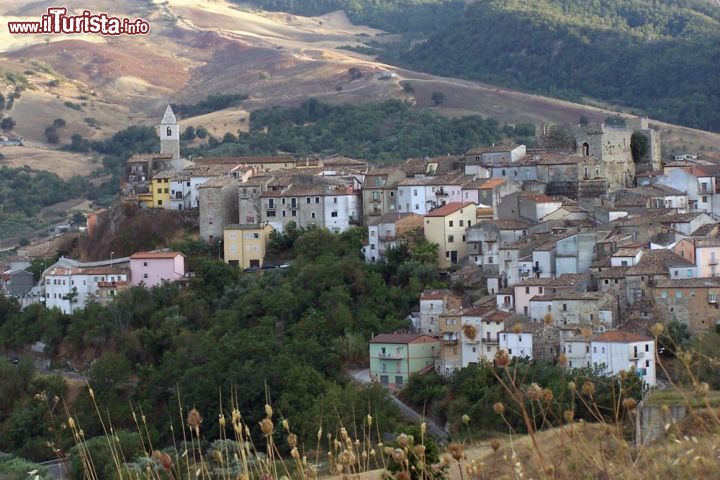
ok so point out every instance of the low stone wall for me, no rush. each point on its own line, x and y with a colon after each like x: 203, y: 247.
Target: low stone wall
x: 651, y: 420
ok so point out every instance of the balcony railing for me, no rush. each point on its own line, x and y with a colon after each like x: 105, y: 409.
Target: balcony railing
x: 387, y: 237
x: 490, y: 341
x: 441, y: 192
x: 713, y: 261
x: 391, y: 356
x: 450, y: 341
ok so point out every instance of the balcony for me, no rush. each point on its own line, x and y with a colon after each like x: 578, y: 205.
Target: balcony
x: 713, y: 261
x: 391, y: 356
x: 712, y: 298
x: 450, y: 341
x: 637, y: 355
x: 386, y: 237
x: 506, y: 305
x: 441, y: 192
x: 490, y: 341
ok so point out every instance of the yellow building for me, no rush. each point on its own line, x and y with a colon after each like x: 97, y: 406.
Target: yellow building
x: 160, y: 190
x: 446, y: 226
x: 245, y: 245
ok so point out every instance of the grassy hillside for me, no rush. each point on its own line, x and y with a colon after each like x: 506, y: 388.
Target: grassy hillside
x: 661, y: 58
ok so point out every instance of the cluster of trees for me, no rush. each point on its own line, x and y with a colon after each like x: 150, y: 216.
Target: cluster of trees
x: 385, y: 131
x: 26, y: 191
x: 212, y: 103
x: 474, y: 390
x: 285, y: 333
x: 633, y: 52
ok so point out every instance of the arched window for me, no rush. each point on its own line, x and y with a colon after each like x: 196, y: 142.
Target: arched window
x: 586, y: 149
x: 169, y: 132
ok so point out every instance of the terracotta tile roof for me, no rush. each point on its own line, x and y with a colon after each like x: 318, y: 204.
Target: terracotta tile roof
x: 498, y: 316
x: 538, y: 197
x: 239, y: 160
x: 657, y: 262
x: 492, y: 183
x: 620, y: 336
x: 712, y: 282
x: 569, y: 279
x: 402, y: 338
x: 568, y: 296
x: 534, y: 282
x: 434, y: 294
x: 151, y: 255
x: 392, y: 218
x: 448, y: 208
x: 611, y: 272
x: 704, y: 230
x: 105, y: 271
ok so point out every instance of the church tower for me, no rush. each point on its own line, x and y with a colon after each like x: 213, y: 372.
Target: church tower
x: 170, y: 134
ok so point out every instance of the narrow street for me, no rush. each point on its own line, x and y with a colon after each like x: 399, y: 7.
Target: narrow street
x: 436, y: 431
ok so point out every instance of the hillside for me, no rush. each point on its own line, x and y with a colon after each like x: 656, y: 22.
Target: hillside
x: 102, y: 85
x: 659, y: 58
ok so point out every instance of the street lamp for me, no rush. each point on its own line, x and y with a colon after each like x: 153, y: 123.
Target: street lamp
x: 111, y: 255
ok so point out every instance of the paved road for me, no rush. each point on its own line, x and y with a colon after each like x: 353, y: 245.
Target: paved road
x: 435, y: 430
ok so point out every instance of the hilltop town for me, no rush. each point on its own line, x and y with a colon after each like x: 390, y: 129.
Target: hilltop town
x: 559, y: 253
x: 565, y: 256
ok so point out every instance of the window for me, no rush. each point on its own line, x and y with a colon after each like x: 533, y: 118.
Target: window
x: 256, y: 235
x: 317, y: 199
x: 159, y: 190
x: 293, y: 213
x: 144, y: 265
x: 527, y: 290
x: 312, y: 215
x: 270, y: 213
x: 564, y: 307
x: 689, y: 272
x: 451, y: 238
x: 678, y: 294
x: 647, y: 363
x: 415, y: 192
x: 145, y: 275
x: 594, y: 349
x: 450, y: 223
x: 307, y: 200
x: 647, y: 347
x: 334, y: 214
x: 663, y: 294
x: 334, y: 199
x: 461, y: 222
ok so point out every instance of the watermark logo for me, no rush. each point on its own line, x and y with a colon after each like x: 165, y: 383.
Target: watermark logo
x: 57, y: 21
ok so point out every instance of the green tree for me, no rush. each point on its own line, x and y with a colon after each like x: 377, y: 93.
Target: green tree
x: 438, y: 98
x: 639, y: 146
x: 7, y: 123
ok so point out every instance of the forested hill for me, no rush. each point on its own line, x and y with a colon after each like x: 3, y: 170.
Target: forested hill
x: 659, y: 57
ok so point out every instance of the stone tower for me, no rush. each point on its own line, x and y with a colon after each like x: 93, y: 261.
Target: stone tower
x: 170, y: 134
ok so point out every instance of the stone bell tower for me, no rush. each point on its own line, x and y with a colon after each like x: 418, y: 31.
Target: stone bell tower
x: 170, y: 134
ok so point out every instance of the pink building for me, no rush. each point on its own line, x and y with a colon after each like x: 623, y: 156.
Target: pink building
x: 152, y: 268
